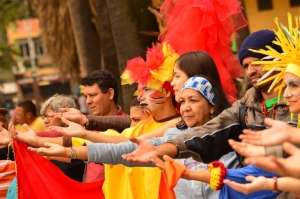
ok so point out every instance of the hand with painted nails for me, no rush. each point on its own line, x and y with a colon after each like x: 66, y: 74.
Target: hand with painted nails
x: 247, y: 150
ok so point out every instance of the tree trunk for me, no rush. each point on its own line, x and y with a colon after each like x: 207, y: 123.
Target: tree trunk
x: 119, y: 43
x: 244, y: 32
x: 86, y: 36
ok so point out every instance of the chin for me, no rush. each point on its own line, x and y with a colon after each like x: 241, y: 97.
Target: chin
x: 295, y: 110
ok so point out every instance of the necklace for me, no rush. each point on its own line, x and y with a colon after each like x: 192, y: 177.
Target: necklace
x: 264, y: 110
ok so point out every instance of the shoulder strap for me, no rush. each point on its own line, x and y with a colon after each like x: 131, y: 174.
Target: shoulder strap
x: 242, y: 115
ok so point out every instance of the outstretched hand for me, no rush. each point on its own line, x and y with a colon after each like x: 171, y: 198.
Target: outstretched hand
x: 256, y: 184
x: 72, y: 114
x: 49, y: 150
x: 246, y: 149
x: 28, y: 137
x: 142, y: 154
x: 282, y: 166
x: 73, y: 129
x: 278, y: 133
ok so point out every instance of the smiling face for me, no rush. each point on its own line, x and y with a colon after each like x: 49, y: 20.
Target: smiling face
x: 179, y: 79
x: 292, y: 92
x: 255, y: 72
x: 195, y: 109
x: 151, y: 100
x: 49, y: 120
x: 99, y: 103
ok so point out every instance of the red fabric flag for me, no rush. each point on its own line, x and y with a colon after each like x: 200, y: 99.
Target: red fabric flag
x: 169, y: 178
x: 38, y: 178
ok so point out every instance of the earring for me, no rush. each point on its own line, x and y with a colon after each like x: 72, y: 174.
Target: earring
x: 211, y: 116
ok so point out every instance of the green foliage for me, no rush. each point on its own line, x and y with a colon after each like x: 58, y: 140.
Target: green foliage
x: 10, y: 11
x: 145, y: 20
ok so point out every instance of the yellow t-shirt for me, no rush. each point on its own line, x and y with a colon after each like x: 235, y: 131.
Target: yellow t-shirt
x: 133, y: 182
x: 130, y: 182
x: 37, y: 125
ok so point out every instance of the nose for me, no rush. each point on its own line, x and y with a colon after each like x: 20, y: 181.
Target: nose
x: 286, y: 93
x: 173, y: 82
x: 185, y: 106
x: 251, y: 70
x: 88, y: 100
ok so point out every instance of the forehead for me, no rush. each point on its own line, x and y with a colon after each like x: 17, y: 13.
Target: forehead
x: 291, y: 77
x: 177, y: 68
x: 190, y: 92
x: 248, y: 60
x: 48, y: 110
x: 91, y: 89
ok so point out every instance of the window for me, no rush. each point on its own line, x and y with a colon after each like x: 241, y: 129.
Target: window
x: 265, y: 4
x: 295, y: 3
x: 25, y: 51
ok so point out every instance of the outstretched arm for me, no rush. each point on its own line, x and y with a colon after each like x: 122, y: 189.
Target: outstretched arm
x: 99, y: 123
x: 31, y: 138
x: 282, y: 166
x: 263, y: 183
x: 76, y: 130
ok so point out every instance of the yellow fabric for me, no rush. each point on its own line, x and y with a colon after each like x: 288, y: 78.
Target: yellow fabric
x: 133, y: 183
x: 294, y: 69
x: 37, y: 125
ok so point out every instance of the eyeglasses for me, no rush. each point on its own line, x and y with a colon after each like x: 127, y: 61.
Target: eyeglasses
x: 49, y: 117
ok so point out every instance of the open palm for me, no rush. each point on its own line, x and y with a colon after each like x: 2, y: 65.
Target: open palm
x: 50, y: 149
x: 246, y: 149
x: 282, y: 166
x: 73, y: 129
x: 257, y: 184
x: 142, y: 154
x: 275, y: 135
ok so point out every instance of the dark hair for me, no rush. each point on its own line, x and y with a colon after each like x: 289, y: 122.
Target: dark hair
x: 198, y: 63
x: 134, y: 102
x: 104, y: 79
x: 28, y: 106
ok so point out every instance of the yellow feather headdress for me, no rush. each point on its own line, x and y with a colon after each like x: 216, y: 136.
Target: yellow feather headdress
x: 288, y: 61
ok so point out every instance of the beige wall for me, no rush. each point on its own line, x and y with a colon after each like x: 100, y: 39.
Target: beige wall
x: 265, y: 19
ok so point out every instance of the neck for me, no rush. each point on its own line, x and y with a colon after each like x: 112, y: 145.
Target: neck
x: 112, y: 110
x: 29, y: 121
x: 165, y: 111
x: 267, y: 96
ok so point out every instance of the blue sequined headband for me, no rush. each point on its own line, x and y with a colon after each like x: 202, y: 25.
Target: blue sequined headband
x: 201, y: 85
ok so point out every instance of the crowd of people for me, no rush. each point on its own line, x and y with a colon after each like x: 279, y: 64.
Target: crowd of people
x: 186, y: 135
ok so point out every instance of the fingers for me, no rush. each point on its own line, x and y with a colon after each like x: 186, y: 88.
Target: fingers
x: 237, y: 146
x: 64, y: 120
x: 269, y: 122
x: 64, y: 110
x: 48, y: 144
x: 167, y: 158
x: 250, y: 178
x: 158, y: 162
x: 289, y: 148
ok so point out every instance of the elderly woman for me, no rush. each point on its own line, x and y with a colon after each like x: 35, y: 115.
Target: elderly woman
x: 51, y: 106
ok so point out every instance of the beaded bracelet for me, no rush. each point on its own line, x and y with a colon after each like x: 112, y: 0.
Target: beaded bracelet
x: 218, y: 173
x: 73, y: 154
